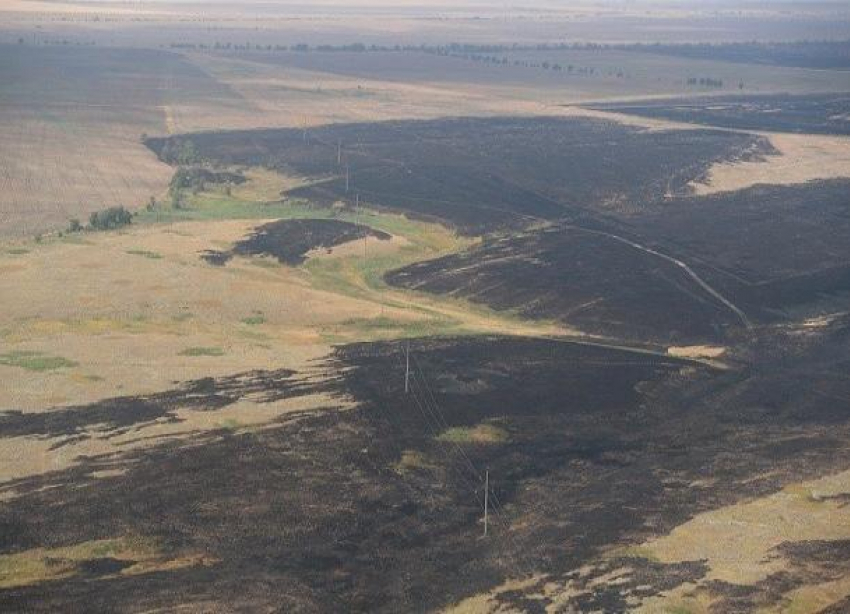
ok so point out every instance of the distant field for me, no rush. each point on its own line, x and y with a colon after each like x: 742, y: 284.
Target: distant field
x: 162, y: 22
x: 531, y: 74
x: 72, y: 117
x: 816, y: 114
x: 71, y: 123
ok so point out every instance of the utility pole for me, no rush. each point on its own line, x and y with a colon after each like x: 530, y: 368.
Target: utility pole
x: 359, y: 214
x: 486, y: 498
x: 339, y: 152
x: 407, y: 368
x: 347, y: 178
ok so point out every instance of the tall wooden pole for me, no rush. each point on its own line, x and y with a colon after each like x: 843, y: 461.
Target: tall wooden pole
x: 407, y: 368
x: 486, y: 499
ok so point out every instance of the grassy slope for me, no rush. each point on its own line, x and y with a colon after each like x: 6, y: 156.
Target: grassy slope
x: 359, y: 277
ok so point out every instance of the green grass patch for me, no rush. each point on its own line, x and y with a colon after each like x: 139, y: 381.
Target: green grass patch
x: 375, y: 329
x: 483, y: 433
x: 231, y: 424
x: 254, y: 320
x: 217, y: 206
x: 202, y: 351
x: 144, y: 253
x: 34, y: 361
x: 253, y: 335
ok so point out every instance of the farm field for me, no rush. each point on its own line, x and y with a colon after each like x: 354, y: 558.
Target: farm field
x: 65, y: 108
x: 70, y: 143
x: 155, y: 23
x: 621, y: 348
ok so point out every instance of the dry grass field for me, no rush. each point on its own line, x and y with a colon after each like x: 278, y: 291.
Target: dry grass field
x: 96, y: 315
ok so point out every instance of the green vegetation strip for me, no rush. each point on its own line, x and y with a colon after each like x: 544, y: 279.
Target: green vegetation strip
x: 144, y: 253
x: 202, y: 351
x: 34, y: 361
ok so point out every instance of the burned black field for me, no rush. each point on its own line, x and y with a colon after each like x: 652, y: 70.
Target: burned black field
x: 813, y: 114
x: 580, y: 224
x: 773, y: 253
x: 370, y: 508
x: 289, y: 241
x: 480, y: 174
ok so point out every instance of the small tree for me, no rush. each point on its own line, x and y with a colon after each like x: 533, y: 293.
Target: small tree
x: 108, y: 219
x: 74, y: 225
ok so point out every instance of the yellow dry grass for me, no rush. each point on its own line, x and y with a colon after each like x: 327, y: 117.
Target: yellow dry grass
x: 125, y: 319
x: 100, y: 315
x: 696, y: 351
x: 45, y: 564
x: 737, y: 542
x: 802, y: 158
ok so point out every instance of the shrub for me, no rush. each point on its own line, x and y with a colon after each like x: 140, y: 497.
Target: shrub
x: 111, y: 218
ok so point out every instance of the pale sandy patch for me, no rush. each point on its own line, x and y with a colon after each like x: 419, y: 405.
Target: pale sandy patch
x: 801, y: 158
x: 363, y: 248
x: 696, y: 351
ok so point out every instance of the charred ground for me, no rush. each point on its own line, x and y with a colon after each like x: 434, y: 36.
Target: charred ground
x: 289, y: 241
x: 481, y: 174
x: 369, y: 509
x: 569, y: 195
x: 777, y: 253
x: 814, y: 113
x: 590, y: 448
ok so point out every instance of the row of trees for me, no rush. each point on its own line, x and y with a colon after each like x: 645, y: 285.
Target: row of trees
x: 709, y: 82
